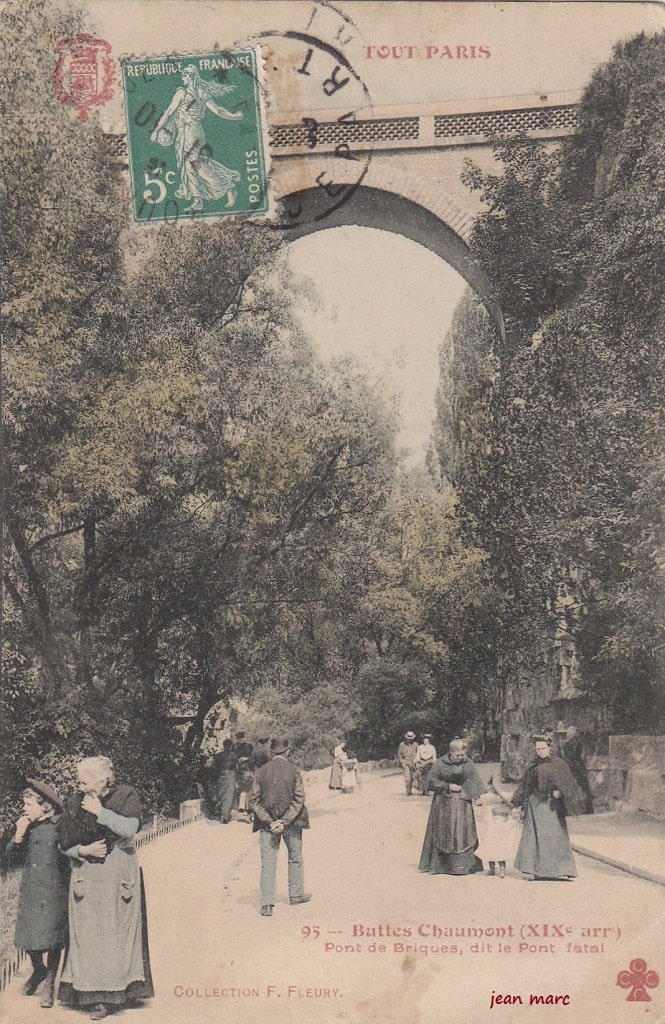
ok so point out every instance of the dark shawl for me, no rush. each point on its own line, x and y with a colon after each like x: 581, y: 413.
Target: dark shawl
x: 465, y: 775
x: 78, y: 827
x: 545, y: 775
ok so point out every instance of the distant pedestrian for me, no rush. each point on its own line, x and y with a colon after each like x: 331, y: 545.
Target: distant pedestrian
x: 407, y: 753
x: 547, y: 793
x: 349, y: 774
x: 573, y: 753
x: 451, y: 838
x: 277, y: 801
x: 244, y: 752
x: 425, y: 758
x: 224, y: 770
x: 206, y: 784
x: 41, y: 923
x: 339, y: 757
x: 261, y: 752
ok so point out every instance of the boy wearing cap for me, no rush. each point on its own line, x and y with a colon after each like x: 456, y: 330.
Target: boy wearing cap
x: 41, y: 924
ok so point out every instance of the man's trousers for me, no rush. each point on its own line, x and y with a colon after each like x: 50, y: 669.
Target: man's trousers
x: 269, y: 851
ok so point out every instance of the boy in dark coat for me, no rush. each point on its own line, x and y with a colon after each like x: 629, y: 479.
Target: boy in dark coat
x: 41, y: 924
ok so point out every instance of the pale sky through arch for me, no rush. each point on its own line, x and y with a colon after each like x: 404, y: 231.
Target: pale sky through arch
x: 389, y: 302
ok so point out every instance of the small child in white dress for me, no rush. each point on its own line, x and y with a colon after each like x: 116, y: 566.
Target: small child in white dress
x: 349, y: 774
x: 499, y: 833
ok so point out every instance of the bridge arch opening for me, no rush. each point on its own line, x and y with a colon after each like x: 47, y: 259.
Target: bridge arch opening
x: 371, y: 207
x: 394, y: 334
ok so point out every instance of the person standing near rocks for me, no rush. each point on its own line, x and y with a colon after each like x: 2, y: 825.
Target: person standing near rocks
x: 277, y: 801
x: 224, y: 770
x: 546, y: 794
x: 407, y: 752
x: 244, y: 752
x: 573, y: 754
x: 261, y: 752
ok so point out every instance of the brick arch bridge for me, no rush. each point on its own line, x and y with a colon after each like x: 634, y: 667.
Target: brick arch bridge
x: 388, y: 209
x: 400, y: 169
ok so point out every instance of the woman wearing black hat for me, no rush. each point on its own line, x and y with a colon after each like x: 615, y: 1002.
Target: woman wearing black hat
x: 546, y: 794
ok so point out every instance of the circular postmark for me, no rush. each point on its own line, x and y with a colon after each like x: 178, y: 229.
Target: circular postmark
x: 319, y: 118
x: 280, y: 115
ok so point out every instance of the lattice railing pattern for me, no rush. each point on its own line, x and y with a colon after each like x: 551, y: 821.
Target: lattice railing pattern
x: 481, y: 125
x: 498, y: 122
x: 330, y: 133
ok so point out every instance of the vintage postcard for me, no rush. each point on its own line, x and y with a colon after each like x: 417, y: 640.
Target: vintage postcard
x: 333, y: 676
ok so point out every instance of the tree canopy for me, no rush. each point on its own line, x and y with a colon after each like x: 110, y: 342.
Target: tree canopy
x: 559, y: 429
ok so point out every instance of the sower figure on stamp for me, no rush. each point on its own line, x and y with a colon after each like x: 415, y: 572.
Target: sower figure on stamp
x: 277, y: 800
x: 201, y: 177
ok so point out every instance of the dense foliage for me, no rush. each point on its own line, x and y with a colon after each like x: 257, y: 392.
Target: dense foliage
x: 196, y: 508
x: 559, y: 429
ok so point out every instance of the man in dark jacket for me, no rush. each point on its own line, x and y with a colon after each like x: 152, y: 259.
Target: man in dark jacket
x: 573, y: 753
x: 277, y: 800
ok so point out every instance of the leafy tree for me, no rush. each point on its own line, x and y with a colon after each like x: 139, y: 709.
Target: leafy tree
x: 559, y: 429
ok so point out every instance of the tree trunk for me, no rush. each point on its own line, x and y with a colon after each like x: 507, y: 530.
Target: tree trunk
x: 39, y: 612
x: 88, y: 599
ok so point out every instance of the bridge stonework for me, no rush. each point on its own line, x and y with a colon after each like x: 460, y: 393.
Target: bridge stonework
x: 415, y: 154
x: 401, y: 169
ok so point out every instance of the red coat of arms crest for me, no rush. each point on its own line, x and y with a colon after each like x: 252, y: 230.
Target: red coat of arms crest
x: 84, y: 73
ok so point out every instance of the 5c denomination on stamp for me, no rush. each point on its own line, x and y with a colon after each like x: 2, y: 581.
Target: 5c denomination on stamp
x: 196, y: 135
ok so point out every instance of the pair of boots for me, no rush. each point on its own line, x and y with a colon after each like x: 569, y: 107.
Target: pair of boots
x: 502, y: 868
x: 41, y: 973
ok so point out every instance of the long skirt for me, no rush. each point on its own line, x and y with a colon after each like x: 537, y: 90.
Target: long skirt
x: 226, y: 791
x: 201, y: 177
x: 544, y: 849
x: 335, y: 775
x: 108, y: 960
x: 422, y: 776
x: 451, y: 838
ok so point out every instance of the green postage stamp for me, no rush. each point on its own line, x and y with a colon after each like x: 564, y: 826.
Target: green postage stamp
x: 196, y: 135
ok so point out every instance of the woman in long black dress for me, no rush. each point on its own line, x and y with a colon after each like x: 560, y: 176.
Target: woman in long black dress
x: 225, y: 768
x: 546, y: 794
x: 451, y: 838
